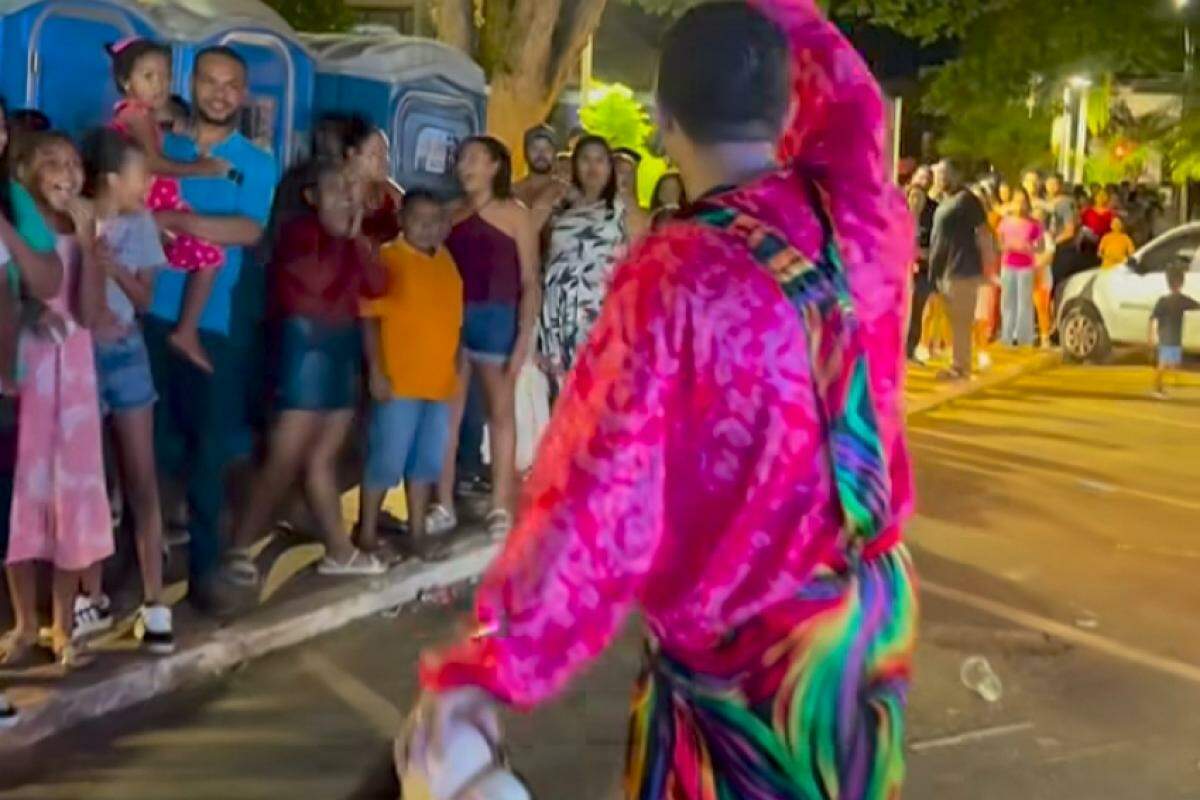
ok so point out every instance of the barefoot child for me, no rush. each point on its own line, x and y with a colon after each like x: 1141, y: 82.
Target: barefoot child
x: 117, y: 178
x: 1166, y: 328
x: 321, y: 270
x: 412, y: 339
x: 142, y: 71
x: 60, y: 511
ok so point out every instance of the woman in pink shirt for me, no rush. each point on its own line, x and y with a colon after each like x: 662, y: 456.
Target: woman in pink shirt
x: 1020, y: 242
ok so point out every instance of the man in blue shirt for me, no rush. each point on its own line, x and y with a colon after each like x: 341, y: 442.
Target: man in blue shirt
x: 199, y: 412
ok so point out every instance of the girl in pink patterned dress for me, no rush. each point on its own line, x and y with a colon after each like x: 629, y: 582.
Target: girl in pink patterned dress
x: 60, y: 510
x: 142, y: 71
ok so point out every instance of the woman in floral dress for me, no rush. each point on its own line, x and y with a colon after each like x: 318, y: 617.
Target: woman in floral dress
x: 587, y: 237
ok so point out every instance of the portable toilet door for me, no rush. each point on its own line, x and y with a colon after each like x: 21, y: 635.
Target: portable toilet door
x: 279, y: 68
x: 427, y: 129
x: 69, y: 73
x: 270, y: 116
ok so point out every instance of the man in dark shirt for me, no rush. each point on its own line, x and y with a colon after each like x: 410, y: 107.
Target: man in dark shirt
x: 923, y: 208
x: 960, y: 247
x: 1166, y: 327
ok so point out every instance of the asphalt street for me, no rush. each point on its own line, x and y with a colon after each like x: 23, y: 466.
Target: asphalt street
x: 1058, y: 537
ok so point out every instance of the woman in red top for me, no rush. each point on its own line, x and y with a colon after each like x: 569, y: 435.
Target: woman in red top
x: 321, y: 270
x: 1098, y: 218
x: 365, y: 148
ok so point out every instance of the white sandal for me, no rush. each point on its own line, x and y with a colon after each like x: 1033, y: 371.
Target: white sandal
x: 498, y: 523
x: 359, y: 563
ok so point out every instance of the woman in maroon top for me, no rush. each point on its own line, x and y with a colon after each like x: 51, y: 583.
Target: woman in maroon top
x: 322, y: 268
x: 495, y: 245
x: 366, y: 150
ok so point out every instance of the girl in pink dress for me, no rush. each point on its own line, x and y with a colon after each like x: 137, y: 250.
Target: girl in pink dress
x: 60, y: 510
x: 142, y: 71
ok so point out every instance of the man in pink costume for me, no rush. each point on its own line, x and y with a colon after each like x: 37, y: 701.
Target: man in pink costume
x: 728, y: 454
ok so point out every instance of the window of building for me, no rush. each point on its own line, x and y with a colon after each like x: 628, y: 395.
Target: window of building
x: 403, y: 19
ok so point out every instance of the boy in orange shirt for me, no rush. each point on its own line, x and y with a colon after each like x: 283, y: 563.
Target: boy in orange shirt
x: 411, y: 336
x: 1116, y: 247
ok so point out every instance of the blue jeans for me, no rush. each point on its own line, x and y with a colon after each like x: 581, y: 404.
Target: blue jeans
x: 1016, y: 306
x: 195, y: 424
x: 406, y: 438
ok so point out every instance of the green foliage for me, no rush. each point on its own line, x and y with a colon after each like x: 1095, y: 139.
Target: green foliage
x: 1182, y: 143
x: 614, y: 112
x: 1005, y: 136
x: 1015, y: 49
x: 315, y: 16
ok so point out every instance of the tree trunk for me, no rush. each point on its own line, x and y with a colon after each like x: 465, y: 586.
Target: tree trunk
x: 514, y: 106
x: 528, y: 64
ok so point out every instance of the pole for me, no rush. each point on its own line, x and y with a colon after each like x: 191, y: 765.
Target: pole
x: 585, y: 71
x: 896, y: 133
x: 1064, y: 145
x: 1081, y: 136
x: 1185, y: 104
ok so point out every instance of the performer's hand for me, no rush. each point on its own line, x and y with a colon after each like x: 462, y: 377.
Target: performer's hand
x: 423, y: 738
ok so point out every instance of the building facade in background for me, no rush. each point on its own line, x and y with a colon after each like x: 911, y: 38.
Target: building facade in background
x: 409, y: 17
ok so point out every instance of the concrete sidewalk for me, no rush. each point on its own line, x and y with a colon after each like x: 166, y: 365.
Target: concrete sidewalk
x: 309, y: 606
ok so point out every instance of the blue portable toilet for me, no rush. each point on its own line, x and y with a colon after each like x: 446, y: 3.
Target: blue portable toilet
x: 426, y: 95
x: 281, y: 68
x: 52, y: 57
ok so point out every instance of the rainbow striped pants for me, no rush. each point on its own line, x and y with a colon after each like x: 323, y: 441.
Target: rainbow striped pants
x: 804, y: 702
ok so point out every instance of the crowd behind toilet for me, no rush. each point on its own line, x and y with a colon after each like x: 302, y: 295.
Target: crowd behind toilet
x: 991, y: 253
x: 175, y: 307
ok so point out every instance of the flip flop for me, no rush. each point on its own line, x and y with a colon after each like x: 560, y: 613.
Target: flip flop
x: 240, y: 569
x: 359, y: 563
x: 17, y: 654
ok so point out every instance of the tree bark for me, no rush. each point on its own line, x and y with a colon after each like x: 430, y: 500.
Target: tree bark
x: 455, y: 23
x: 528, y: 65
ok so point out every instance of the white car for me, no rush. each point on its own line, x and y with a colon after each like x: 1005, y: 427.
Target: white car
x: 1102, y: 307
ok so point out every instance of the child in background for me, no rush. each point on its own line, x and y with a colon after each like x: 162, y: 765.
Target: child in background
x: 142, y: 71
x: 1043, y: 278
x: 1116, y: 247
x: 60, y: 510
x: 322, y: 267
x: 412, y: 346
x: 1166, y: 328
x: 117, y: 179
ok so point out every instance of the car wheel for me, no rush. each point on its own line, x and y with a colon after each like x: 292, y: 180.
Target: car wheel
x: 1083, y: 335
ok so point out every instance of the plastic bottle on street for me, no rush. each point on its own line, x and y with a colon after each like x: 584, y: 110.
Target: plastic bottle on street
x: 978, y: 676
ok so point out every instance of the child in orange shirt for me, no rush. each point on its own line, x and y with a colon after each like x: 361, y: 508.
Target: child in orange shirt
x: 1116, y: 247
x: 412, y: 344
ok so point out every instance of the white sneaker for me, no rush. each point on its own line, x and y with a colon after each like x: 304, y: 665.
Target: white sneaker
x: 91, y: 616
x: 153, y: 628
x: 440, y: 520
x: 984, y: 361
x: 921, y: 354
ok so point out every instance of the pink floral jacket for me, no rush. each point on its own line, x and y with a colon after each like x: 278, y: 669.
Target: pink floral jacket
x: 684, y: 472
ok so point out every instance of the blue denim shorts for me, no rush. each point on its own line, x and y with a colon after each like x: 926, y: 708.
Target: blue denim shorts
x: 1170, y: 356
x: 406, y: 439
x: 489, y: 332
x: 320, y: 365
x: 123, y: 378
